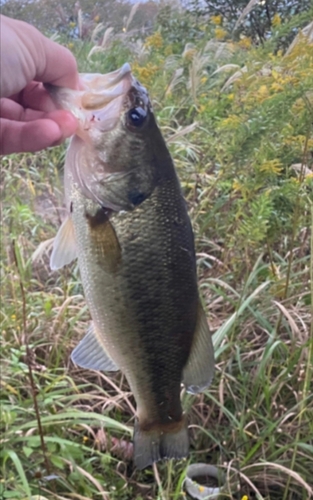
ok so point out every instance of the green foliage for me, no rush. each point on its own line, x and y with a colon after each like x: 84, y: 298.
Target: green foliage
x: 177, y: 27
x: 238, y: 120
x: 254, y: 110
x: 79, y: 19
x: 255, y: 19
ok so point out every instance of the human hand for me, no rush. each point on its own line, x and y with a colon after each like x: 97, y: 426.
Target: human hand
x: 29, y: 120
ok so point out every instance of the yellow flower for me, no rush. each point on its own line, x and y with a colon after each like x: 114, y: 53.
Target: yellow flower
x: 263, y: 90
x: 70, y: 45
x: 277, y: 87
x: 154, y: 40
x: 294, y: 180
x: 168, y: 50
x: 245, y: 497
x: 237, y: 186
x: 271, y: 167
x: 11, y: 389
x: 276, y: 21
x: 220, y: 33
x: 72, y: 24
x: 204, y: 79
x: 13, y: 316
x: 231, y: 122
x: 276, y: 75
x: 262, y: 93
x: 298, y: 141
x: 298, y: 106
x: 96, y: 18
x: 231, y: 97
x: 217, y: 20
x: 245, y: 43
x: 146, y: 74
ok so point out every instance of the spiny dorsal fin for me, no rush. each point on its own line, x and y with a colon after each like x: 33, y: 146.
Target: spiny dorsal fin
x: 90, y: 353
x: 199, y: 370
x: 64, y: 246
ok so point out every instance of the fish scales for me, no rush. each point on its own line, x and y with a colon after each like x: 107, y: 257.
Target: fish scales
x: 138, y: 304
x: 131, y: 232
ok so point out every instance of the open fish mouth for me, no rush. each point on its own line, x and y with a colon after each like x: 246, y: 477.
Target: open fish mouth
x: 101, y: 100
x: 113, y: 111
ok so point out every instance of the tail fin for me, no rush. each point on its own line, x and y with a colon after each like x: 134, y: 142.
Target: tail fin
x: 165, y: 441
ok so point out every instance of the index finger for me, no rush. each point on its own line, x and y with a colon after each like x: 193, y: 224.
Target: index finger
x: 28, y: 55
x: 56, y: 65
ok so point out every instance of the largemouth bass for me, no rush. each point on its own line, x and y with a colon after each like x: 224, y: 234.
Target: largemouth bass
x: 129, y: 227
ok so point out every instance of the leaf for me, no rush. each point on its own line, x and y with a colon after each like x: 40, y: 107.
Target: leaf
x: 284, y: 469
x: 236, y: 76
x: 19, y: 467
x: 12, y: 494
x: 57, y: 461
x: 223, y: 331
x: 76, y: 417
x: 181, y: 132
x: 226, y: 67
x: 27, y: 451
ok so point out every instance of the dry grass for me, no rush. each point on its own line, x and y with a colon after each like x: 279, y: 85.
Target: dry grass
x: 255, y: 422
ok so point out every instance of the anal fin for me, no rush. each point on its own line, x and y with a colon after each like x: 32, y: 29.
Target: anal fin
x: 199, y: 370
x: 90, y: 353
x: 64, y: 246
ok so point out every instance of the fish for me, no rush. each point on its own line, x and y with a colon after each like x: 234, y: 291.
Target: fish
x: 129, y: 228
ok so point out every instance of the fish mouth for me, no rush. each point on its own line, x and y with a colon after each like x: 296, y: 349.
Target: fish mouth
x: 102, y: 99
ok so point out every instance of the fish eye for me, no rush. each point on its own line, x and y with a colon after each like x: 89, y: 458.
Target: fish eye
x: 137, y: 116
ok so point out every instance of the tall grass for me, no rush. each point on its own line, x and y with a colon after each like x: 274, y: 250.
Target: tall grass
x: 238, y: 119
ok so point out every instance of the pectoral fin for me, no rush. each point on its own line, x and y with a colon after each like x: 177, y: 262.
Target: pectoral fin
x: 199, y: 370
x: 103, y: 238
x: 90, y: 354
x: 64, y: 246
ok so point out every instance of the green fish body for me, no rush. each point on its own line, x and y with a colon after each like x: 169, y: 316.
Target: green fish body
x: 138, y: 269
